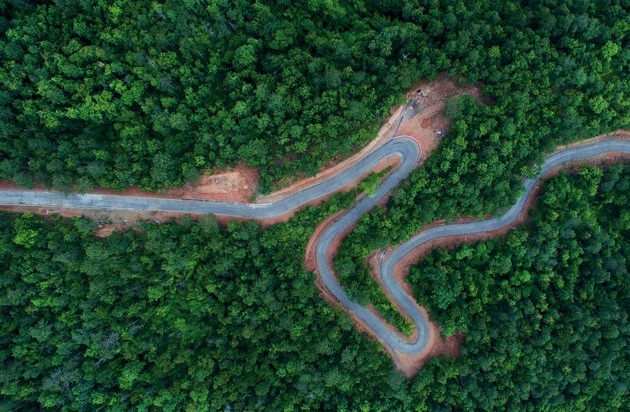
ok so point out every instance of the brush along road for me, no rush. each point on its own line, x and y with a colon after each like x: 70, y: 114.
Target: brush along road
x: 404, y: 148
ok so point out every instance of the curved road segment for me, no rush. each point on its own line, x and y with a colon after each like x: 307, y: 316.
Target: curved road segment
x: 402, y: 147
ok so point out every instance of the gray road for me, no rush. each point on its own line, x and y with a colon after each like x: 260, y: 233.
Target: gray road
x: 404, y: 148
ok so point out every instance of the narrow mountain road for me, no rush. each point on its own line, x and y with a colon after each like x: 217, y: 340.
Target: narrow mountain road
x: 402, y: 147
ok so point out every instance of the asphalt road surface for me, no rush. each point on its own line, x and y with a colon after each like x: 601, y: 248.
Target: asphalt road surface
x: 409, y: 153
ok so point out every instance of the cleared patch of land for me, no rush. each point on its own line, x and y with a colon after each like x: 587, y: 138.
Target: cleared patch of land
x: 415, y: 120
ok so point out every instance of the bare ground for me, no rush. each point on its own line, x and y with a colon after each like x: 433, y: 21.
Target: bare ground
x: 239, y: 184
x: 333, y: 168
x: 450, y: 346
x: 233, y: 185
x: 422, y: 120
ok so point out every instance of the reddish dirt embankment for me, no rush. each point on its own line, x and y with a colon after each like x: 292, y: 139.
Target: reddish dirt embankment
x: 421, y: 119
x: 231, y: 185
x: 239, y: 184
x: 450, y: 346
x: 236, y: 185
x: 424, y: 119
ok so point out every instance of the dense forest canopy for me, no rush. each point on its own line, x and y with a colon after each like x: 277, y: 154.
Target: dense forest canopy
x: 198, y: 316
x: 195, y: 316
x: 151, y: 93
x: 556, y: 73
x: 544, y: 309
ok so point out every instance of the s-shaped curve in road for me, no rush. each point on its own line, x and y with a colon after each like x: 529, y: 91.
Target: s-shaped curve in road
x: 402, y: 147
x: 389, y: 338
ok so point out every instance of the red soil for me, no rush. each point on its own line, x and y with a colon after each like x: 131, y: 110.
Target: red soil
x: 384, y: 133
x: 422, y: 120
x: 423, y: 109
x: 231, y: 185
x: 234, y: 185
x: 410, y: 364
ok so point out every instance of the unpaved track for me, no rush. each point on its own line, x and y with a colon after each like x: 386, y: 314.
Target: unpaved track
x: 409, y: 153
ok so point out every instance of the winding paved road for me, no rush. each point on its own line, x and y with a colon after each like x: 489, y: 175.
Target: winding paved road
x: 402, y: 147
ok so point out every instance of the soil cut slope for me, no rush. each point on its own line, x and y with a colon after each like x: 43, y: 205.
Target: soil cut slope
x: 404, y: 148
